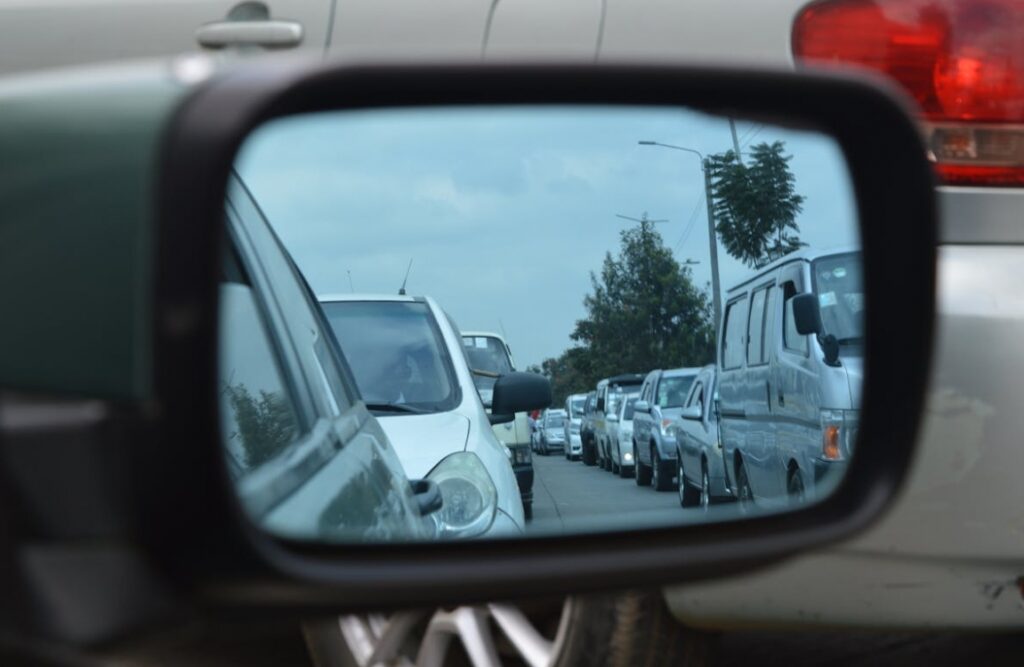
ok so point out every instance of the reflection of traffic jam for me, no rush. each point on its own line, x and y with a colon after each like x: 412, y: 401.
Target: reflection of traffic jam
x: 769, y: 423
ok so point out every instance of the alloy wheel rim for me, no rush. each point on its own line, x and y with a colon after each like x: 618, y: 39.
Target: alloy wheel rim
x: 486, y: 634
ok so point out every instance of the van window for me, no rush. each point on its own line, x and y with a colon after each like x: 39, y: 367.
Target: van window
x: 791, y: 339
x: 755, y: 328
x: 732, y: 341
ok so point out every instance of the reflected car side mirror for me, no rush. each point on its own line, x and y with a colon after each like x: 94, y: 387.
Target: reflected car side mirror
x: 692, y: 412
x: 520, y: 392
x: 613, y: 418
x: 642, y: 406
x: 807, y: 314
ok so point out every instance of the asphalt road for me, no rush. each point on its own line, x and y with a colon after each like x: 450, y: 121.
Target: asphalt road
x: 569, y: 496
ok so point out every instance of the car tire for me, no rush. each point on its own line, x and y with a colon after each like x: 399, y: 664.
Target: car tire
x: 706, y: 499
x: 587, y: 454
x: 622, y: 630
x: 744, y: 494
x: 641, y: 473
x: 661, y: 479
x: 795, y: 488
x: 688, y: 495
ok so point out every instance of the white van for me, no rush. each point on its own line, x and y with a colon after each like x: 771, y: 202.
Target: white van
x: 790, y: 361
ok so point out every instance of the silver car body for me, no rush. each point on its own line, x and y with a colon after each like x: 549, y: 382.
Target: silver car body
x: 777, y: 395
x: 573, y: 443
x: 552, y: 434
x: 698, y: 445
x: 622, y: 433
x: 517, y: 432
x: 651, y: 427
x: 423, y: 440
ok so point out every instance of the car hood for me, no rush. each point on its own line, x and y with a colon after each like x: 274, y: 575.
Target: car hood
x: 421, y: 441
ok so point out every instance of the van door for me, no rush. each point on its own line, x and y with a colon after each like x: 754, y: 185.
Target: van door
x: 731, y: 356
x: 760, y: 434
x: 797, y: 394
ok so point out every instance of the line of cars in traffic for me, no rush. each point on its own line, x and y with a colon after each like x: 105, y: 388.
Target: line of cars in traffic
x: 772, y: 421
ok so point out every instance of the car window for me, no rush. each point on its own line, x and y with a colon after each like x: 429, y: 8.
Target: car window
x: 755, y: 328
x: 258, y: 416
x: 672, y: 390
x: 735, y: 325
x: 296, y: 310
x: 486, y: 353
x: 791, y: 338
x: 840, y: 290
x: 396, y: 353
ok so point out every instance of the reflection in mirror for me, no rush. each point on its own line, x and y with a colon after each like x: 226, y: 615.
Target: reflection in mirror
x: 382, y: 266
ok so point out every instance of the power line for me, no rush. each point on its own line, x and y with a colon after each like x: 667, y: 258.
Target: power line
x: 689, y: 225
x: 753, y: 135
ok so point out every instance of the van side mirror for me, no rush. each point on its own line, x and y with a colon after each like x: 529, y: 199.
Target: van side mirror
x: 806, y: 314
x: 520, y: 392
x: 642, y: 406
x: 613, y: 417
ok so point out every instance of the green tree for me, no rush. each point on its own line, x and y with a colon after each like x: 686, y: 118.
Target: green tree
x: 756, y: 204
x: 265, y: 423
x: 644, y: 312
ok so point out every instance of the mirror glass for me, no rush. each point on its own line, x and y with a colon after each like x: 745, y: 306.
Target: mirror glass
x: 489, y: 322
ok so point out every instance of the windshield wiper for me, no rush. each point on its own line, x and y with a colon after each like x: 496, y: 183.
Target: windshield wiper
x: 395, y: 407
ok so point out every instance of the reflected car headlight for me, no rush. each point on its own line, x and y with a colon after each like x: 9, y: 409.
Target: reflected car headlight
x: 469, y: 495
x: 666, y: 428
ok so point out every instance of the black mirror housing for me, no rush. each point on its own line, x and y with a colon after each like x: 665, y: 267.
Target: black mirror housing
x: 807, y: 314
x: 520, y: 392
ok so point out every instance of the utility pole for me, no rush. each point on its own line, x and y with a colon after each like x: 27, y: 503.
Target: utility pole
x: 735, y: 140
x: 712, y: 234
x: 644, y: 222
x: 716, y: 292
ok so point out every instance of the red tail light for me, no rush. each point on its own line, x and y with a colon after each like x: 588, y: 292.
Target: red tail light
x: 962, y: 60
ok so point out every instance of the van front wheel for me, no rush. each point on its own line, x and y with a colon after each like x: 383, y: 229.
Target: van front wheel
x: 641, y: 473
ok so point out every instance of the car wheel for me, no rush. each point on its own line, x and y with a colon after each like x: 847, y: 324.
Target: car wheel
x: 795, y: 487
x: 587, y: 453
x: 605, y: 631
x: 744, y: 494
x: 661, y: 479
x: 641, y: 473
x: 705, y: 488
x: 688, y: 496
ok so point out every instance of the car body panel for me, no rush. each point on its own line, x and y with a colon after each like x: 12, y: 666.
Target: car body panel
x: 647, y: 430
x: 54, y: 33
x: 697, y: 440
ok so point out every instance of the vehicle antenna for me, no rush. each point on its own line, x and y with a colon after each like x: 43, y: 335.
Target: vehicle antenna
x: 401, y: 290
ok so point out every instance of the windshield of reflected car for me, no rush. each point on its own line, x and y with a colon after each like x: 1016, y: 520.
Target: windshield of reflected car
x: 672, y: 391
x: 840, y: 290
x: 396, y: 353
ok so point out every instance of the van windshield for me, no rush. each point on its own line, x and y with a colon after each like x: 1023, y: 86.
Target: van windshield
x: 488, y: 354
x: 840, y: 290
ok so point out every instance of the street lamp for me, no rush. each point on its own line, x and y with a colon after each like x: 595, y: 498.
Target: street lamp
x: 712, y: 240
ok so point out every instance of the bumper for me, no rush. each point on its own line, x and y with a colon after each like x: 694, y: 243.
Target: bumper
x: 828, y: 473
x: 575, y: 445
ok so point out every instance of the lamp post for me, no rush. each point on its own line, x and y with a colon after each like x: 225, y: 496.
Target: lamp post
x: 712, y: 239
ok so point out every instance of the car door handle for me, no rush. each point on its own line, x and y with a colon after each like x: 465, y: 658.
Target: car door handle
x: 271, y: 34
x: 428, y: 496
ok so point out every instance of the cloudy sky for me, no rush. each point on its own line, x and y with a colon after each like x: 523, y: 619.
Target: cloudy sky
x: 506, y: 211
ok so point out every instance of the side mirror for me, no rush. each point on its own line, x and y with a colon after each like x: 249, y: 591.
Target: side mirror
x: 520, y: 392
x: 692, y: 412
x: 613, y: 417
x: 806, y: 314
x: 642, y: 406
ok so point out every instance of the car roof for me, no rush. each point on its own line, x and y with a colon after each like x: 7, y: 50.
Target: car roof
x: 801, y: 255
x: 334, y: 298
x: 677, y: 372
x: 483, y: 334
